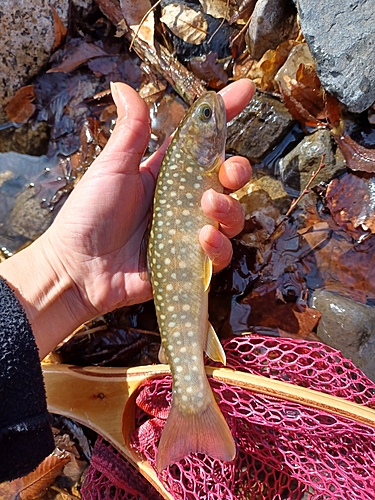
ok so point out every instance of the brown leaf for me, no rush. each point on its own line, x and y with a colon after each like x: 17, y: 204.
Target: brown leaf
x: 206, y: 68
x: 134, y: 13
x: 77, y: 56
x: 184, y: 22
x: 34, y: 483
x: 20, y: 107
x: 357, y: 157
x: 298, y: 112
x: 60, y: 29
x: 267, y: 310
x: 351, y: 202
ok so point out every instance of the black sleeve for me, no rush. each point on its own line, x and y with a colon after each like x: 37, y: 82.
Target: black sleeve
x: 25, y: 433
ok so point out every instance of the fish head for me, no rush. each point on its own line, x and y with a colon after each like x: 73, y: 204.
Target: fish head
x: 203, y: 131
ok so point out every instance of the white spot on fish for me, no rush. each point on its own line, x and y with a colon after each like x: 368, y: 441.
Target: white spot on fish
x: 189, y: 196
x: 167, y: 261
x: 188, y: 324
x: 186, y: 212
x: 190, y: 333
x: 186, y: 307
x: 196, y: 185
x: 179, y: 369
x: 183, y: 349
x: 175, y: 298
x: 184, y: 398
x: 171, y: 324
x: 160, y: 222
x: 161, y: 246
x: 169, y: 213
x: 169, y: 287
x: 173, y: 275
x: 182, y: 264
x: 177, y: 360
x: 172, y: 232
x: 170, y: 182
x: 176, y: 334
x: 173, y: 194
x: 189, y: 169
x: 170, y: 309
x: 187, y: 378
x: 189, y: 389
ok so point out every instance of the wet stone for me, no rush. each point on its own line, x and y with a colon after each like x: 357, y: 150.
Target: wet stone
x: 259, y: 128
x: 341, y: 39
x: 347, y: 326
x: 271, y: 23
x: 27, y: 40
x: 297, y: 166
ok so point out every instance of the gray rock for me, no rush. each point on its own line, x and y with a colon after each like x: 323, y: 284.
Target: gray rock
x: 341, y: 37
x: 271, y: 23
x: 349, y: 327
x: 27, y: 39
x: 297, y: 166
x: 259, y: 128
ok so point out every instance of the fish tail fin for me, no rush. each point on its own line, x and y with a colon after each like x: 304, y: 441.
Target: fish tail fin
x: 205, y: 431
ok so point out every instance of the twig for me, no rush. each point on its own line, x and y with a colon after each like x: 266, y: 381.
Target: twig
x: 306, y: 190
x: 141, y: 23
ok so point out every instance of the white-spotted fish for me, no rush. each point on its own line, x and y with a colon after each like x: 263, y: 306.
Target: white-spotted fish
x: 180, y: 277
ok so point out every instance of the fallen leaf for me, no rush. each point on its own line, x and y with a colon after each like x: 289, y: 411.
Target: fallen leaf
x: 221, y: 9
x: 271, y: 62
x: 243, y: 11
x: 351, y: 200
x: 20, y: 108
x: 60, y: 29
x: 207, y: 68
x: 80, y: 54
x: 43, y: 476
x: 184, y: 22
x: 357, y: 157
x: 268, y: 310
x: 134, y: 13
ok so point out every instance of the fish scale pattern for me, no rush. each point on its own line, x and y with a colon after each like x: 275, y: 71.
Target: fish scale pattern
x: 285, y: 450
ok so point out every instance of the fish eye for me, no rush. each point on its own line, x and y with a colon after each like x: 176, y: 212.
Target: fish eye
x: 205, y: 112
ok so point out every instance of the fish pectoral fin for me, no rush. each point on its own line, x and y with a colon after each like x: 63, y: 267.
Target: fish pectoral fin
x: 207, y: 273
x: 214, y: 349
x: 204, y: 431
x: 162, y: 357
x: 143, y: 267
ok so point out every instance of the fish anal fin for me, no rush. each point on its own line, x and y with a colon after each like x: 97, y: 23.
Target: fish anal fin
x: 207, y: 273
x: 214, y: 349
x: 204, y: 432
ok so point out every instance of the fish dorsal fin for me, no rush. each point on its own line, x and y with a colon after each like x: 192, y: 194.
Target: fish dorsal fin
x: 162, y: 357
x: 214, y: 349
x: 207, y: 273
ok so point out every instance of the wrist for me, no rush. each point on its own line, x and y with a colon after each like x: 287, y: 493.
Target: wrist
x: 45, y: 292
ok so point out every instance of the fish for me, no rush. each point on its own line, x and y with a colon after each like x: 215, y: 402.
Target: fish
x: 180, y: 274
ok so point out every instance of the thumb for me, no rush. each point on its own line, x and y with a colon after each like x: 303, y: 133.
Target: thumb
x: 130, y: 137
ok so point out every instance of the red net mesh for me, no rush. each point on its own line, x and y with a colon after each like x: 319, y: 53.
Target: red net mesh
x: 285, y: 450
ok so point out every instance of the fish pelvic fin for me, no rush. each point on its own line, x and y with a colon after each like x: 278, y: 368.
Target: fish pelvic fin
x: 214, y: 349
x: 203, y: 432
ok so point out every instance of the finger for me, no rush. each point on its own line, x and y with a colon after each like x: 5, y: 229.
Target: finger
x: 217, y: 247
x: 237, y: 96
x: 235, y: 172
x: 128, y: 142
x: 225, y: 210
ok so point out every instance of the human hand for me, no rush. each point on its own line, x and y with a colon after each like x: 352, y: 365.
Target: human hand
x: 90, y: 254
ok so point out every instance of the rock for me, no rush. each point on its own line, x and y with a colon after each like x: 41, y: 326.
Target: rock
x: 347, y: 326
x: 27, y: 39
x: 297, y: 166
x: 300, y: 54
x: 341, y: 39
x: 21, y: 217
x: 259, y: 128
x: 271, y: 23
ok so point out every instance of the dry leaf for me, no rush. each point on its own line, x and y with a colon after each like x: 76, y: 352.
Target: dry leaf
x: 80, y: 54
x: 357, y: 157
x: 20, y: 107
x: 43, y: 476
x: 60, y: 29
x: 351, y: 202
x: 184, y: 22
x: 206, y: 68
x: 133, y: 13
x: 221, y: 9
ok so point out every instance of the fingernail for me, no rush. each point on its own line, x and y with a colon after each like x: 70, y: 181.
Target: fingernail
x: 114, y: 92
x: 239, y: 173
x: 218, y: 202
